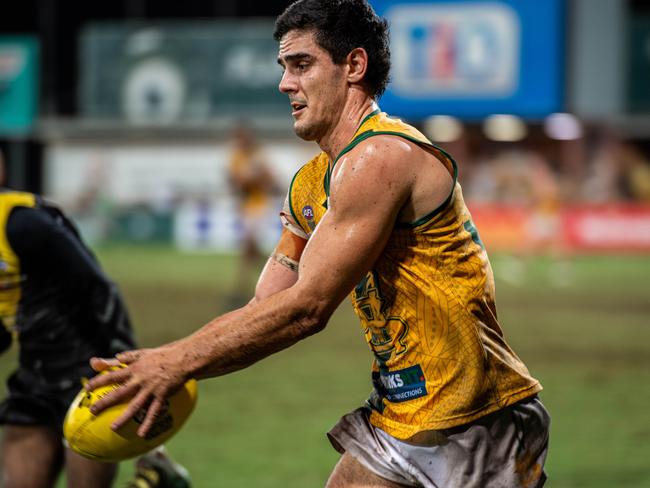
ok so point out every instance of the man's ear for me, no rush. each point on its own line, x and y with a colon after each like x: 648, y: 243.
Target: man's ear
x: 357, y: 62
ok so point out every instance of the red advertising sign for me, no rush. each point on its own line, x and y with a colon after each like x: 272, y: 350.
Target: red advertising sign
x: 501, y: 227
x: 613, y: 227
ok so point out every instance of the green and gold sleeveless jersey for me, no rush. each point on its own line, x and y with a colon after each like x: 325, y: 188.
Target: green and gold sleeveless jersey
x: 10, y: 276
x: 427, y: 307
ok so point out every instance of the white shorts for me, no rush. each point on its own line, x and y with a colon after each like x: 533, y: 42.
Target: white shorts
x: 504, y: 449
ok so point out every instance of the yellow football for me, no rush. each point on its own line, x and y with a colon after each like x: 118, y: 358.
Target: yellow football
x: 92, y: 437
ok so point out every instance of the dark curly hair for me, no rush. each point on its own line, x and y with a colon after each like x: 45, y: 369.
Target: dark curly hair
x: 341, y: 26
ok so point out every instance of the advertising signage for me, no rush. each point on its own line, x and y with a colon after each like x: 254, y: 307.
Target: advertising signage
x: 474, y: 58
x: 180, y: 71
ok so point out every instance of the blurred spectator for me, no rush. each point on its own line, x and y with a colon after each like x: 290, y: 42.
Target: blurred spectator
x: 504, y: 176
x: 479, y: 181
x: 255, y: 188
x: 635, y: 177
x: 602, y: 182
x: 619, y: 171
x: 544, y: 229
x: 93, y: 210
x: 514, y: 175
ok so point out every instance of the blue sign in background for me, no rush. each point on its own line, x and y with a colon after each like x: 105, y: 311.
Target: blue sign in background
x: 523, y: 77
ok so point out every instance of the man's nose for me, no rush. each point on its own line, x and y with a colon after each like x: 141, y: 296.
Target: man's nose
x: 287, y: 83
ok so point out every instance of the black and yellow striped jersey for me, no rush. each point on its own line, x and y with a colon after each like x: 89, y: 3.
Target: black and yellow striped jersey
x: 54, y: 296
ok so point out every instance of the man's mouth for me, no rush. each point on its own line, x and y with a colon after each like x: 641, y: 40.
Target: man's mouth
x: 297, y: 107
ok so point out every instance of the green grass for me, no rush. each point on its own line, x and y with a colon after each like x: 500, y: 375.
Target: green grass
x: 589, y: 344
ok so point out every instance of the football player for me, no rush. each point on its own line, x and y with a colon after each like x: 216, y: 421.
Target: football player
x: 61, y: 309
x: 378, y: 215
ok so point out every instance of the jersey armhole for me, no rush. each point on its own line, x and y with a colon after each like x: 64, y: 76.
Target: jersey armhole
x: 452, y: 167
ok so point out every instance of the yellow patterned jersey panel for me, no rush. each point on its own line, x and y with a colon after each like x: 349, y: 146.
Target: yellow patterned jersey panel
x: 10, y: 277
x: 427, y: 309
x: 307, y: 197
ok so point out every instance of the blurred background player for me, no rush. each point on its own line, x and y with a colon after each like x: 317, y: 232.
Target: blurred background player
x: 524, y: 178
x: 255, y: 188
x: 61, y: 308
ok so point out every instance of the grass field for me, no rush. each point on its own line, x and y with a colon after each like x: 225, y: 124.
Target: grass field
x: 589, y: 344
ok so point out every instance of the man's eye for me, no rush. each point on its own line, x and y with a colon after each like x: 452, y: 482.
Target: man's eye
x: 302, y: 66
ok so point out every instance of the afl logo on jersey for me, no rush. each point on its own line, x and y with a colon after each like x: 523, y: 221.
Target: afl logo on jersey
x: 308, y: 212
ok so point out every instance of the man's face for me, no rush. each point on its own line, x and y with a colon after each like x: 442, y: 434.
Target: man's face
x: 316, y: 86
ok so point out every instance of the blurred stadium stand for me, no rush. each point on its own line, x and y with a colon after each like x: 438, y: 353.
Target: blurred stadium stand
x: 123, y: 110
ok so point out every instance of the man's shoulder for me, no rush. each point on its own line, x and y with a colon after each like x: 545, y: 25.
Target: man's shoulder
x: 20, y: 211
x: 28, y: 228
x: 31, y: 203
x: 387, y: 138
x: 382, y: 151
x: 380, y: 165
x: 41, y: 217
x: 398, y: 166
x: 23, y: 219
x: 12, y: 198
x: 390, y: 142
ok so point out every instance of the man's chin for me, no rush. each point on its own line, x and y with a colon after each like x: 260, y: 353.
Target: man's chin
x: 305, y: 132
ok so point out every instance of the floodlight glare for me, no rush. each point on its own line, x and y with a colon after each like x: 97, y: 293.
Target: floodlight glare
x: 563, y: 127
x: 443, y: 128
x: 504, y: 128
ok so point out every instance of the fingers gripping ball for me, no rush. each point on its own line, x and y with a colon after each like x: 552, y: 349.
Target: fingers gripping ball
x: 91, y: 435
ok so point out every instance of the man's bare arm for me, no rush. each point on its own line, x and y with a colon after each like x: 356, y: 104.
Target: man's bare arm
x: 281, y: 269
x: 367, y: 192
x: 277, y: 274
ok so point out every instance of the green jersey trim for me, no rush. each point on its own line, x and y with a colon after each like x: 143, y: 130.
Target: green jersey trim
x: 326, y: 185
x: 426, y: 218
x: 367, y: 117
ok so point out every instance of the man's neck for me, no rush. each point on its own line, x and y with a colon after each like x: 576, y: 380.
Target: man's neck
x: 341, y: 134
